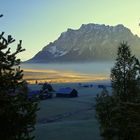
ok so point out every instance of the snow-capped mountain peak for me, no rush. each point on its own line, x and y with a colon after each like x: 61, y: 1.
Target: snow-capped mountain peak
x: 88, y: 43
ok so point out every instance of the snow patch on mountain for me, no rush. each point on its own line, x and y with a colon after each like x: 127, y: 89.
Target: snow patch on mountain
x: 88, y: 43
x: 52, y: 50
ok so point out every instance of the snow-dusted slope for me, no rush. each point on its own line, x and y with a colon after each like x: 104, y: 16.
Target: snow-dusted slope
x: 88, y: 43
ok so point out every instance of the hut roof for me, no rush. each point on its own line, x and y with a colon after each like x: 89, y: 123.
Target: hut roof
x: 67, y: 90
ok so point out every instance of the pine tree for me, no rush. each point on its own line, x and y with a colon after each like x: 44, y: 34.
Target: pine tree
x: 17, y: 113
x: 125, y: 75
x: 119, y: 113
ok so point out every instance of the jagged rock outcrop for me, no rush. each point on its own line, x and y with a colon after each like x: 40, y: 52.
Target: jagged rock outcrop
x: 90, y: 42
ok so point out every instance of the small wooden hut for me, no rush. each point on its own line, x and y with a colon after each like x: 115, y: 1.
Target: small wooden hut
x: 67, y: 92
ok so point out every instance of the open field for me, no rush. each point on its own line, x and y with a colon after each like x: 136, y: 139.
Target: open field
x: 68, y: 118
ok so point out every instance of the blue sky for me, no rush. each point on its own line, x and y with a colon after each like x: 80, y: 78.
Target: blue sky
x: 37, y: 22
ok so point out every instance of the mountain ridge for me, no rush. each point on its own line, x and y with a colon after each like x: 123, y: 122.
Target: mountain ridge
x: 91, y: 42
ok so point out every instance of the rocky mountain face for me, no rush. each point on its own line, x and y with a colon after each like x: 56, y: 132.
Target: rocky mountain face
x: 90, y: 42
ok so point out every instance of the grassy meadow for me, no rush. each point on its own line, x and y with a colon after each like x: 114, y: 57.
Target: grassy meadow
x: 68, y: 118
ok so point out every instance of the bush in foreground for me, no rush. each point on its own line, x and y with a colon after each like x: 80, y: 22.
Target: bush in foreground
x: 119, y: 113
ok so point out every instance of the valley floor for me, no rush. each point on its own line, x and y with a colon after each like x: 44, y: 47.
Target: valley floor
x: 68, y: 118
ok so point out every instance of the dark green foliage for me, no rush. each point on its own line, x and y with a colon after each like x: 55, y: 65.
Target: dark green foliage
x: 46, y: 91
x: 125, y: 76
x: 103, y: 108
x: 119, y: 113
x: 17, y: 113
x: 47, y: 87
